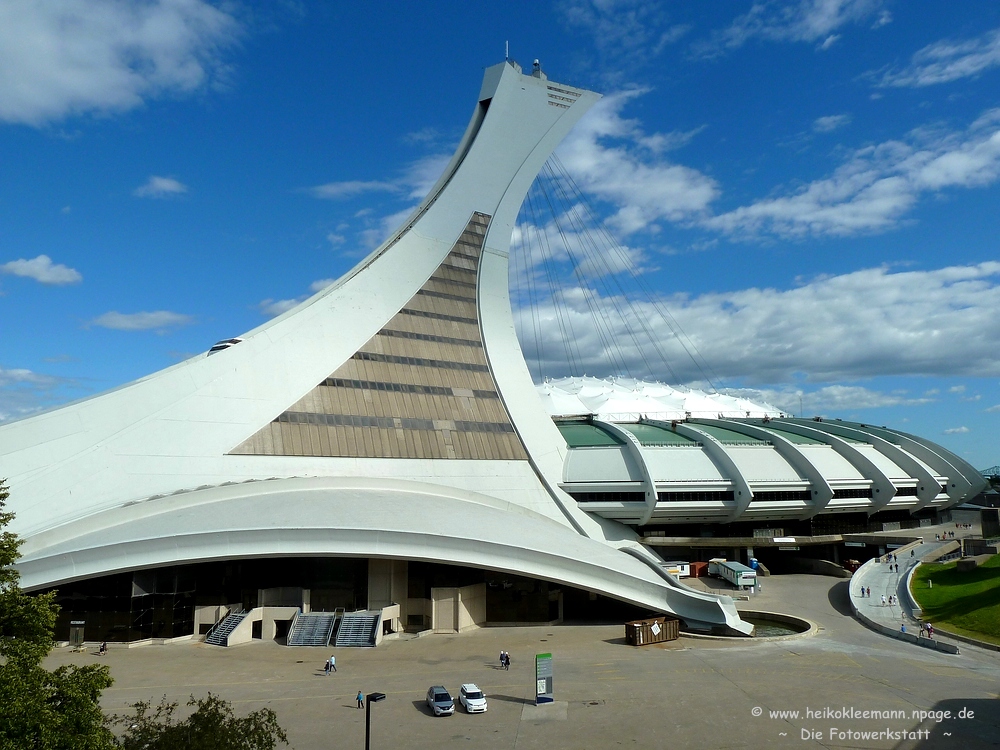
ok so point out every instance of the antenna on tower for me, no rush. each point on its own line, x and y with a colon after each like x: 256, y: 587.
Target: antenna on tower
x: 506, y: 50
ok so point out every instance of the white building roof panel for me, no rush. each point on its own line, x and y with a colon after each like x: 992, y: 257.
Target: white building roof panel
x: 612, y: 464
x: 760, y: 464
x: 833, y: 466
x: 682, y: 465
x: 886, y: 464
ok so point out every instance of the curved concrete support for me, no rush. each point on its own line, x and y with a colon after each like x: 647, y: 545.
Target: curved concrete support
x: 964, y: 482
x: 742, y: 493
x: 359, y: 517
x: 822, y: 492
x: 883, y: 490
x: 634, y: 447
x: 927, y: 485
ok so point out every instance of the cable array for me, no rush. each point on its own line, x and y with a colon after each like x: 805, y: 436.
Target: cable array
x: 557, y: 227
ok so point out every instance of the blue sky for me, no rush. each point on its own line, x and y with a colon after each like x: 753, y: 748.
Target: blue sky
x: 813, y: 187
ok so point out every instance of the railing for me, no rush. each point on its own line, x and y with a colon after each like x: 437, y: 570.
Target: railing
x: 234, y: 610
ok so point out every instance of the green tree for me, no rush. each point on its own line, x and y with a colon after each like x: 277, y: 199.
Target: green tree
x: 212, y: 726
x: 39, y: 709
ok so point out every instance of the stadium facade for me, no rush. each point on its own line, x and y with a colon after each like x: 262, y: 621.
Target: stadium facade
x: 382, y: 447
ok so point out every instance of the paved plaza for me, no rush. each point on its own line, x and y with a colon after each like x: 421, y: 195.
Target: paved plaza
x: 691, y: 693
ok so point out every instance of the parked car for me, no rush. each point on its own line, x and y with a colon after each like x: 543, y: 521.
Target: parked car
x: 439, y: 701
x: 470, y: 696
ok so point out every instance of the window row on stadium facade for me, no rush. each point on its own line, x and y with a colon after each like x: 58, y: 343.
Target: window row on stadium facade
x: 429, y: 337
x: 425, y: 350
x: 392, y: 423
x: 851, y: 492
x: 288, y: 439
x: 608, y: 497
x: 406, y: 402
x: 420, y: 362
x: 430, y: 390
x: 392, y: 372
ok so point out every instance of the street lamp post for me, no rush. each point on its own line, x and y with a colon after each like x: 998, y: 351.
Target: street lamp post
x: 372, y: 698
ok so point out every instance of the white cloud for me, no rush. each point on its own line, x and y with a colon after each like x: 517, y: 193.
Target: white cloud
x: 274, y: 307
x: 422, y: 174
x: 66, y: 57
x: 159, y: 187
x: 42, y: 270
x: 142, y: 321
x: 855, y: 326
x: 829, y: 41
x: 23, y: 391
x: 636, y: 30
x: 877, y: 185
x: 335, y: 239
x: 422, y: 136
x: 350, y: 188
x: 828, y: 399
x: 611, y: 158
x: 884, y: 19
x: 956, y: 431
x: 320, y: 284
x: 994, y: 408
x: 948, y: 60
x: 802, y: 21
x: 957, y: 389
x: 830, y: 123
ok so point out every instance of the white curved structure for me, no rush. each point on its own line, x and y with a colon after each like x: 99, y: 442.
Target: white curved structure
x: 391, y: 416
x: 644, y: 453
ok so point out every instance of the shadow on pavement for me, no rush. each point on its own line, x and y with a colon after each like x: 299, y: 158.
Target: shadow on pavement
x: 616, y: 641
x: 839, y: 597
x: 421, y: 706
x: 510, y: 699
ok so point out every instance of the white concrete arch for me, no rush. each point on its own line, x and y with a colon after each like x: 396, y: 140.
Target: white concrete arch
x: 822, y: 492
x: 354, y: 517
x: 742, y: 494
x: 883, y: 490
x: 928, y: 487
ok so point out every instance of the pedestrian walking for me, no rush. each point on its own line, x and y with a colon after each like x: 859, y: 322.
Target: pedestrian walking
x: 332, y: 664
x: 930, y: 630
x: 902, y: 628
x: 502, y: 652
x: 361, y: 699
x: 883, y: 600
x: 326, y: 668
x: 869, y: 592
x: 506, y: 660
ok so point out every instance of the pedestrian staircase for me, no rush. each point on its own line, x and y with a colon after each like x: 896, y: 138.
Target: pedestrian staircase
x: 313, y: 629
x: 219, y: 634
x: 358, y: 629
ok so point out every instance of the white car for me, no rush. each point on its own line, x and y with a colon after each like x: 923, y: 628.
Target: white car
x: 470, y: 696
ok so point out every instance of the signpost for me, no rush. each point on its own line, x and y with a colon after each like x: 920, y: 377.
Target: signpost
x: 543, y: 679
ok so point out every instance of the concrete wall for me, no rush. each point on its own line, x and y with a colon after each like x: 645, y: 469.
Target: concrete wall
x: 264, y: 615
x: 471, y: 607
x: 444, y: 610
x: 208, y: 615
x: 456, y: 610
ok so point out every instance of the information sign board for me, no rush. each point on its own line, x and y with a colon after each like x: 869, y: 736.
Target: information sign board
x: 543, y: 679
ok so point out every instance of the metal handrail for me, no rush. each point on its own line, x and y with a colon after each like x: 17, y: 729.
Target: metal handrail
x: 234, y: 610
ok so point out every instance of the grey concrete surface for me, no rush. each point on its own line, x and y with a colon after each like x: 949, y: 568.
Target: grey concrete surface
x: 685, y: 694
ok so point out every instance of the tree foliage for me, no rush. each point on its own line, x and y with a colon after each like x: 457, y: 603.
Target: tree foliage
x: 41, y: 710
x: 212, y: 726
